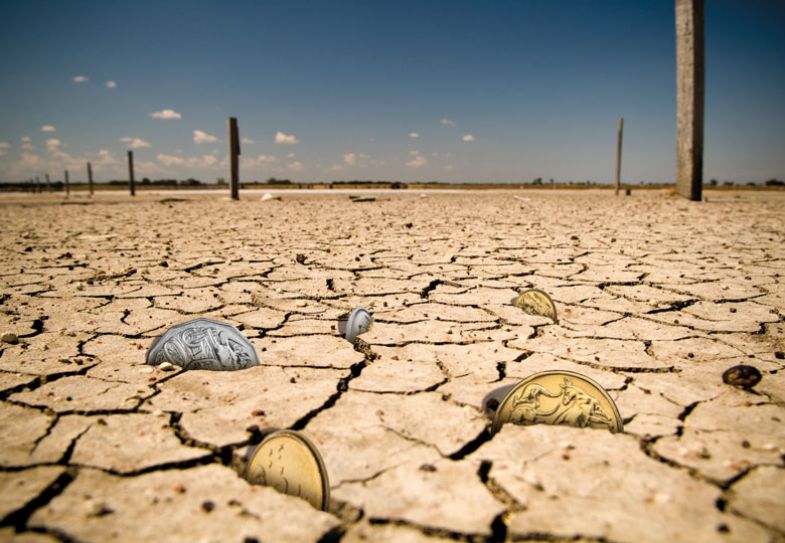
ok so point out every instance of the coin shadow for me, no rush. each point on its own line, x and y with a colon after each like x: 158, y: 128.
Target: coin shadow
x: 492, y: 400
x: 250, y: 449
x: 343, y: 320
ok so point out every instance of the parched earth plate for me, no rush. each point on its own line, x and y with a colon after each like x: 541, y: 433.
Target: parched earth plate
x: 203, y: 344
x: 559, y: 398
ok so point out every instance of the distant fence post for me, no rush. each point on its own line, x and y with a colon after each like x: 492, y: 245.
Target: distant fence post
x: 48, y: 183
x: 234, y: 158
x: 690, y: 87
x: 90, y: 177
x: 37, y: 187
x: 131, y: 182
x: 618, y: 154
x: 67, y: 185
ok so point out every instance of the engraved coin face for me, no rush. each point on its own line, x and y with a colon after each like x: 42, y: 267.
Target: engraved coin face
x: 359, y: 322
x: 287, y: 461
x: 560, y: 398
x: 536, y: 302
x: 203, y: 344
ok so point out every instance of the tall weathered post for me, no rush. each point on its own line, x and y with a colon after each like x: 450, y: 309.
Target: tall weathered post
x: 689, y: 98
x: 618, y: 154
x: 234, y: 158
x: 90, y: 177
x: 48, y: 183
x: 67, y: 185
x: 131, y: 182
x: 37, y: 187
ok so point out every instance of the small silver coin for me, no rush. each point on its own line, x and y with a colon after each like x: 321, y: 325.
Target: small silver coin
x: 359, y: 322
x: 203, y: 344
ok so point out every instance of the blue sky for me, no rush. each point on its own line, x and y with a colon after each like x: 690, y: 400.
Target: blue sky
x: 354, y: 89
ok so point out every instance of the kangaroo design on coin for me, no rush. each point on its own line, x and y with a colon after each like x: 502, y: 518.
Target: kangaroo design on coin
x: 536, y: 302
x: 291, y: 464
x: 203, y: 344
x: 559, y: 398
x: 359, y: 322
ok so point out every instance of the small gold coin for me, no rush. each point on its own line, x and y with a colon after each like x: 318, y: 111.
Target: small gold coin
x: 560, y: 398
x: 287, y: 461
x: 536, y: 302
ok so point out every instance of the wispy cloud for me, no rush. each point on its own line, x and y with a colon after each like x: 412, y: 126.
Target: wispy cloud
x: 81, y: 79
x: 204, y: 137
x: 4, y: 147
x: 247, y: 141
x: 447, y: 122
x: 468, y: 138
x: 414, y: 135
x: 111, y: 84
x: 48, y: 128
x: 53, y: 144
x: 336, y: 168
x: 417, y: 162
x: 166, y: 114
x: 350, y: 159
x: 27, y: 143
x: 135, y: 143
x: 282, y: 137
x: 260, y: 161
x: 204, y: 161
x: 296, y: 166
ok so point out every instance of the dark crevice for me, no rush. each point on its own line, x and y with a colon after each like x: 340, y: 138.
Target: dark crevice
x: 468, y: 448
x: 18, y: 519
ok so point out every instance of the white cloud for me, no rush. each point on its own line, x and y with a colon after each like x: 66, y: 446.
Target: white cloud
x: 468, y: 138
x: 336, y: 168
x: 417, y: 162
x: 135, y: 143
x: 48, y: 128
x: 290, y: 155
x: 111, y: 84
x: 80, y: 79
x: 170, y: 160
x: 247, y: 141
x: 295, y: 166
x: 261, y: 161
x: 281, y: 137
x: 26, y: 139
x: 447, y: 122
x: 105, y: 158
x: 350, y: 159
x: 414, y: 135
x: 4, y: 146
x: 166, y: 114
x: 53, y: 144
x: 204, y: 137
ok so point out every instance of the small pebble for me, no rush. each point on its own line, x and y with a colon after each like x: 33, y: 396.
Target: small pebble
x: 208, y: 506
x: 166, y: 366
x: 9, y: 338
x: 741, y: 376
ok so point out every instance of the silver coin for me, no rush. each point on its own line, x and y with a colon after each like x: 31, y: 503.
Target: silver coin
x: 203, y: 344
x: 359, y: 322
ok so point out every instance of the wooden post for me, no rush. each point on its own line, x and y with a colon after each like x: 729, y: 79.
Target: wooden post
x: 48, y: 183
x: 131, y: 182
x: 37, y: 187
x: 90, y: 177
x: 618, y: 154
x: 234, y: 158
x: 67, y: 185
x: 689, y: 98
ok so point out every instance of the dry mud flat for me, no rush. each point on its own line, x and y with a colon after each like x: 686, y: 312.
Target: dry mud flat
x: 657, y: 298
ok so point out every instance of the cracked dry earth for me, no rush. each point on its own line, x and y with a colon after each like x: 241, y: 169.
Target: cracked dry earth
x: 657, y: 298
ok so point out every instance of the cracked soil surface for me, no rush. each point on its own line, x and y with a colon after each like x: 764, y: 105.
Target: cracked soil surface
x: 657, y: 297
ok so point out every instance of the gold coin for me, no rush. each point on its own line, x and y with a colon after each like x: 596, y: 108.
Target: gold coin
x: 558, y: 397
x: 536, y: 302
x: 287, y: 461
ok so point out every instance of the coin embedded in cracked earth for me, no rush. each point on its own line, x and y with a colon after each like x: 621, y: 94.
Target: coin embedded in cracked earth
x: 536, y: 302
x: 203, y: 344
x: 290, y: 463
x: 559, y: 398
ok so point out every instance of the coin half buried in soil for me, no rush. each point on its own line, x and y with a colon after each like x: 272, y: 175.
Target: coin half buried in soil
x: 203, y: 344
x: 558, y: 397
x: 536, y: 302
x: 287, y: 461
x: 358, y: 322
